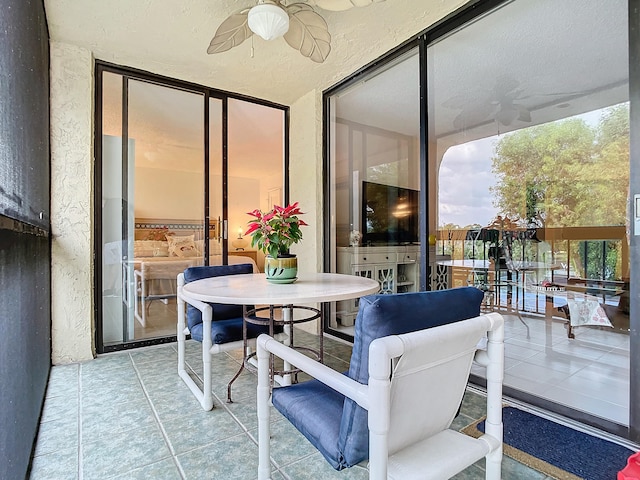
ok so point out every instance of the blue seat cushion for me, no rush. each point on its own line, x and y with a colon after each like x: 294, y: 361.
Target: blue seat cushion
x: 383, y: 315
x: 230, y: 330
x: 220, y: 311
x: 226, y: 325
x: 315, y: 410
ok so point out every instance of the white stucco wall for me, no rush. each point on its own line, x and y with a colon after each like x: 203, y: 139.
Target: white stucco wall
x: 71, y: 203
x: 305, y: 182
x: 305, y: 176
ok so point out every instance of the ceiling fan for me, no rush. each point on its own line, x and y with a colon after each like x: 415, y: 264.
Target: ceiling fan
x: 502, y: 103
x: 299, y: 24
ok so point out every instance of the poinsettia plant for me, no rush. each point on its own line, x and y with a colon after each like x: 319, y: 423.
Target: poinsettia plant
x: 275, y: 231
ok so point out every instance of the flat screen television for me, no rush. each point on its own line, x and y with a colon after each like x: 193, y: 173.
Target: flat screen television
x: 390, y: 215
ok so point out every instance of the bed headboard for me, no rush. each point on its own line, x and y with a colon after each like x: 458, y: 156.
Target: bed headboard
x: 159, y: 228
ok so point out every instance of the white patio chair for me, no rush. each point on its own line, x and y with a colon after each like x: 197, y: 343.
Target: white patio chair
x: 399, y: 417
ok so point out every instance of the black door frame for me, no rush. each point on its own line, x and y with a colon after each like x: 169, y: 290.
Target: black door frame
x: 207, y: 93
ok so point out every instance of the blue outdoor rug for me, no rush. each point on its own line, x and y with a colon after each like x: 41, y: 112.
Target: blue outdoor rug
x: 556, y: 450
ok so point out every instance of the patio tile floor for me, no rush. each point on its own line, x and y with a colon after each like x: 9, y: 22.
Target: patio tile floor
x: 128, y: 415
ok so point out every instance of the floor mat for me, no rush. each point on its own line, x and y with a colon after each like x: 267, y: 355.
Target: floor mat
x: 556, y: 450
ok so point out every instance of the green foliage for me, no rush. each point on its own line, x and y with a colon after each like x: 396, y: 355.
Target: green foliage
x: 275, y: 231
x: 565, y: 173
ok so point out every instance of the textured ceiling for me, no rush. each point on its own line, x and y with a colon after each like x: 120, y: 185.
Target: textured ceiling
x: 171, y: 38
x: 566, y: 59
x: 571, y: 53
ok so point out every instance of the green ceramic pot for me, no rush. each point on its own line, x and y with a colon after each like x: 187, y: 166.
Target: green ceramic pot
x: 281, y: 269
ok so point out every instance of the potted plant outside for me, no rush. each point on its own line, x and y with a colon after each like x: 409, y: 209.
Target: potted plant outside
x: 273, y: 233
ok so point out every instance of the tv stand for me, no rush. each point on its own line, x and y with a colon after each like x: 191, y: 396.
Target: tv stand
x: 395, y: 267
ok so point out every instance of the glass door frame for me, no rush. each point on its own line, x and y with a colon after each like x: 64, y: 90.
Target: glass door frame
x: 101, y: 67
x: 634, y: 191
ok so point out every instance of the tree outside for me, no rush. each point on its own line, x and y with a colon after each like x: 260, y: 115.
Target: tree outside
x: 563, y: 174
x: 573, y: 174
x: 569, y: 174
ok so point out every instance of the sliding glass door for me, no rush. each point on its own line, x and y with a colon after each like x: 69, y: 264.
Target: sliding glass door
x: 524, y: 132
x: 530, y: 162
x: 374, y: 186
x: 152, y: 218
x: 170, y: 191
x: 256, y: 166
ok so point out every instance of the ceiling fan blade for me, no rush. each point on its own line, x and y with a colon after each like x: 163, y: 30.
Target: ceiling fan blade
x: 232, y: 32
x: 472, y: 116
x: 339, y: 5
x: 308, y: 32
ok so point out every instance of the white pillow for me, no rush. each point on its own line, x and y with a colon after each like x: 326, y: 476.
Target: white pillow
x: 150, y: 248
x: 587, y: 312
x: 182, y: 246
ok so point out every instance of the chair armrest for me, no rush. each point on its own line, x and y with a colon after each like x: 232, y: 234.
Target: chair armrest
x: 202, y: 306
x: 335, y: 380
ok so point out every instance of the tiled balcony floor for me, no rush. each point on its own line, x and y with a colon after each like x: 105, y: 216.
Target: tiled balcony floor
x: 128, y: 415
x: 589, y: 372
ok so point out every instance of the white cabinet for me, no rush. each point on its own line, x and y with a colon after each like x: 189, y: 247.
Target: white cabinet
x: 395, y: 268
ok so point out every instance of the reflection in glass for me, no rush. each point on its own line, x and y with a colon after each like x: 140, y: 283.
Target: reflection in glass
x: 529, y: 164
x: 375, y: 184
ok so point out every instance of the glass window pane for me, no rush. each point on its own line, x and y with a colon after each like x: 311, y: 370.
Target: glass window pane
x: 166, y: 145
x: 256, y: 170
x: 375, y: 182
x: 115, y: 288
x: 529, y: 154
x: 152, y: 205
x: 215, y: 180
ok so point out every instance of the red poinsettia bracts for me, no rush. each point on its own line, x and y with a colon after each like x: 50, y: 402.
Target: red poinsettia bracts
x: 275, y: 231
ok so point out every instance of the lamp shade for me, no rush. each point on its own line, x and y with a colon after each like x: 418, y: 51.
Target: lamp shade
x: 240, y: 243
x: 268, y: 20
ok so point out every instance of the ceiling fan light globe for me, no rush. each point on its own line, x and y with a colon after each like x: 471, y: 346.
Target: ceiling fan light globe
x: 268, y: 21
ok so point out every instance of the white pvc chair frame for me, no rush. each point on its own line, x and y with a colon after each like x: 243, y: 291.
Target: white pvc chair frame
x: 376, y: 398
x: 204, y: 396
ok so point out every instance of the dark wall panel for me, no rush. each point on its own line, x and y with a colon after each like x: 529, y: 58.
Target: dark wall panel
x: 25, y: 345
x: 25, y: 258
x: 24, y: 111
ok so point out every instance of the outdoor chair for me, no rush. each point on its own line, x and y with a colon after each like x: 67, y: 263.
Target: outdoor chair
x: 409, y: 368
x: 219, y: 327
x: 497, y: 289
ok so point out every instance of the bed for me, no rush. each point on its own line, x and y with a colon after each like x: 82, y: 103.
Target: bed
x: 160, y: 254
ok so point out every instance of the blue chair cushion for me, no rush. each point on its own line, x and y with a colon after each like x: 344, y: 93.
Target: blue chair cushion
x: 315, y: 410
x: 220, y: 311
x: 383, y: 315
x: 226, y: 325
x: 226, y: 331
